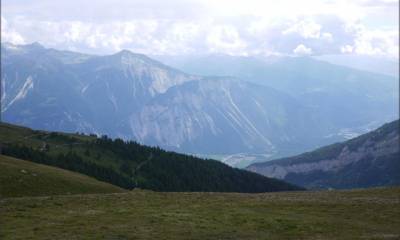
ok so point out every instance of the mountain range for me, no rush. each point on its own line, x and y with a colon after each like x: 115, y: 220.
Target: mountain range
x: 369, y: 160
x: 231, y: 106
x: 337, y: 93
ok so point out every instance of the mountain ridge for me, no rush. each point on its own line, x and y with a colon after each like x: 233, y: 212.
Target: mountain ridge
x: 368, y: 160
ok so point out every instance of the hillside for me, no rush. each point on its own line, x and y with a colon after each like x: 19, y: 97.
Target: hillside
x: 372, y: 159
x: 129, y: 164
x: 19, y: 178
x: 355, y: 214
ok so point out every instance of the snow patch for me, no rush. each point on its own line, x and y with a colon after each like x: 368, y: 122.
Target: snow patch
x: 84, y: 89
x: 28, y: 85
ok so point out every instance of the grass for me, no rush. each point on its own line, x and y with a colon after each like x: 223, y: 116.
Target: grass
x: 11, y: 133
x: 356, y: 214
x: 23, y: 178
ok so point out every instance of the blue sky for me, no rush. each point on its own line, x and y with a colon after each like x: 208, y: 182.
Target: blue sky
x: 180, y: 27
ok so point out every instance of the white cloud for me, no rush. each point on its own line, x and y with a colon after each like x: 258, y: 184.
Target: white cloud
x: 9, y: 35
x: 377, y: 42
x: 306, y: 29
x: 203, y: 26
x: 327, y: 36
x: 302, y: 50
x: 346, y: 49
x: 383, y: 42
x: 225, y: 39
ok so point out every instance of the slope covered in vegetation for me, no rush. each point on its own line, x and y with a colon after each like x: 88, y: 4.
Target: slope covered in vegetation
x: 369, y: 160
x: 129, y: 164
x: 19, y: 178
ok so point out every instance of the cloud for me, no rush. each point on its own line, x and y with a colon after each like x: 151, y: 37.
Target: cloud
x: 327, y: 36
x: 302, y: 50
x: 9, y: 35
x: 200, y: 27
x: 226, y: 39
x: 346, y: 49
x: 306, y: 29
x: 377, y: 42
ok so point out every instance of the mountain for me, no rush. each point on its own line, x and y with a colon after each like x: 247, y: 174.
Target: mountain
x: 60, y: 90
x: 132, y: 96
x: 131, y: 165
x: 19, y: 178
x: 370, y: 160
x: 209, y: 116
x: 339, y: 94
x: 379, y: 65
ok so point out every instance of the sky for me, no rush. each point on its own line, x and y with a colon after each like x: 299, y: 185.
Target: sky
x: 192, y: 27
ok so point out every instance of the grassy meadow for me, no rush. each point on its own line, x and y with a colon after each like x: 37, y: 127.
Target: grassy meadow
x: 139, y: 214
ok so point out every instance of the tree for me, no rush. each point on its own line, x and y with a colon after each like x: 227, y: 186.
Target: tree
x: 87, y: 152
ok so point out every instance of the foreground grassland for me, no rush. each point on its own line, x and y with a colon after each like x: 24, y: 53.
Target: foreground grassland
x: 20, y: 178
x: 358, y: 214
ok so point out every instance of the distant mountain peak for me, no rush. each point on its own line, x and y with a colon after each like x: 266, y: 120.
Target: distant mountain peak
x: 128, y: 56
x: 19, y: 48
x: 128, y: 53
x: 124, y: 52
x: 35, y: 45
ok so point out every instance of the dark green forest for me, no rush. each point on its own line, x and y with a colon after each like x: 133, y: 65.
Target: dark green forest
x: 129, y: 164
